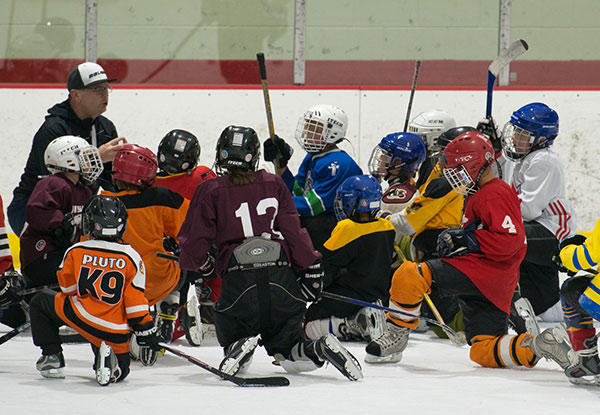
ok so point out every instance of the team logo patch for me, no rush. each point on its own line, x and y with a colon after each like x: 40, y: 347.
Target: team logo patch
x: 141, y: 267
x: 40, y: 245
x: 97, y: 226
x: 257, y: 251
x: 364, y: 203
x: 248, y: 157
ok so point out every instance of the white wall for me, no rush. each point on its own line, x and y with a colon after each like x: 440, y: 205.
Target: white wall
x: 144, y: 116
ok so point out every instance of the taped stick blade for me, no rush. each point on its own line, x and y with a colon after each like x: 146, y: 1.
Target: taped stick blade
x: 516, y: 49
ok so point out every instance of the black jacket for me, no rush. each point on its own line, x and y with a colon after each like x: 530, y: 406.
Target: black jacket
x: 61, y: 120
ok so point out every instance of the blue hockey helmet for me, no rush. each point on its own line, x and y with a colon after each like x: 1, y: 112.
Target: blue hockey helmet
x: 397, y: 150
x: 357, y: 194
x: 531, y: 127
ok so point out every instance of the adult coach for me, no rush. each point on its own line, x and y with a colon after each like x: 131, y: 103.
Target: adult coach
x: 79, y: 115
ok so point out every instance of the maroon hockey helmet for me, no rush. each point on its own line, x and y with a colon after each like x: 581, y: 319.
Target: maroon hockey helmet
x: 465, y: 159
x: 136, y: 165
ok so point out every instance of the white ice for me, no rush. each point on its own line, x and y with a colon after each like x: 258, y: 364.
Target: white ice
x: 434, y: 377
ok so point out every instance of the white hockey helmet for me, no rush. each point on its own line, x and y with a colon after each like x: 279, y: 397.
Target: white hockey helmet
x: 430, y: 124
x: 321, y: 125
x: 73, y: 154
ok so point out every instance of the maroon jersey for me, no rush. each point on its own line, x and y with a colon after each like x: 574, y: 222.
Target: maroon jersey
x: 494, y: 270
x: 52, y: 198
x: 183, y: 183
x: 227, y: 214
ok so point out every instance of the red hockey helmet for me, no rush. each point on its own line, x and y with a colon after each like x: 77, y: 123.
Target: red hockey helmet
x: 136, y: 165
x: 465, y: 159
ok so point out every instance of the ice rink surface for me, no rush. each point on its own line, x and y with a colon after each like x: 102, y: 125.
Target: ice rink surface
x: 434, y: 377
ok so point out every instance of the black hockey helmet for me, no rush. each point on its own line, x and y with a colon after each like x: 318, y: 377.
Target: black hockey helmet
x: 178, y: 152
x: 444, y: 138
x: 104, y: 217
x: 237, y: 147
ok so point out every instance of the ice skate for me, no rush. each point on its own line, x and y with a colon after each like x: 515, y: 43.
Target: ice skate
x: 367, y: 324
x: 388, y: 347
x: 587, y: 371
x: 51, y: 366
x: 553, y: 343
x: 166, y: 321
x: 239, y: 356
x: 525, y: 310
x: 191, y: 322
x: 107, y: 366
x: 329, y: 349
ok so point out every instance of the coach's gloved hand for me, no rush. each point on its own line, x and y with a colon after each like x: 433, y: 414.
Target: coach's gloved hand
x: 9, y: 286
x: 458, y: 241
x: 147, y: 338
x: 489, y: 128
x: 311, y: 282
x: 277, y: 149
x: 64, y: 235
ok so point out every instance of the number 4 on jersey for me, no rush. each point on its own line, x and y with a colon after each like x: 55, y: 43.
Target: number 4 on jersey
x: 508, y: 224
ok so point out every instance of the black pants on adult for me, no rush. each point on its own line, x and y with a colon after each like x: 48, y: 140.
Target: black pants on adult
x: 538, y: 276
x: 265, y: 301
x: 44, y: 330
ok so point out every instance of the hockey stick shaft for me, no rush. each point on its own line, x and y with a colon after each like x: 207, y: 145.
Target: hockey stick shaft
x: 412, y: 94
x: 390, y: 310
x: 453, y: 336
x: 34, y: 290
x: 240, y: 381
x: 6, y: 337
x: 509, y: 54
x: 262, y: 67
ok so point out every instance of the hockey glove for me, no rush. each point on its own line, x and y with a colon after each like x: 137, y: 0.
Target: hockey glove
x: 9, y: 289
x: 207, y: 270
x: 148, y: 340
x: 490, y: 129
x: 64, y: 235
x: 576, y: 239
x: 277, y: 148
x: 311, y: 282
x: 458, y: 241
x: 171, y: 245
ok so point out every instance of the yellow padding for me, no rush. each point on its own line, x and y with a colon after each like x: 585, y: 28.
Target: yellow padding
x: 15, y: 249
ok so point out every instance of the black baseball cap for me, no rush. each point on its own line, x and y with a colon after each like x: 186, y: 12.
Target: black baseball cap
x: 87, y: 74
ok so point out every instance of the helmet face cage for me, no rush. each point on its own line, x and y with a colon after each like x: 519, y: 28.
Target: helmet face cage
x: 516, y: 142
x: 237, y: 147
x: 397, y: 151
x: 319, y: 126
x: 104, y: 217
x: 73, y: 154
x: 357, y: 194
x: 135, y: 165
x: 178, y: 152
x: 379, y: 162
x: 460, y: 180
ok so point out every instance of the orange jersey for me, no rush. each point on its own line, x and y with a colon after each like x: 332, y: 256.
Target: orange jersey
x: 153, y: 214
x: 102, y: 287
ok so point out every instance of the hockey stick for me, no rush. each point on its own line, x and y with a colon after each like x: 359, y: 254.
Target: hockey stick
x: 454, y: 337
x: 356, y: 301
x: 14, y: 332
x: 37, y: 289
x: 509, y: 54
x: 260, y: 57
x: 240, y: 381
x: 412, y: 94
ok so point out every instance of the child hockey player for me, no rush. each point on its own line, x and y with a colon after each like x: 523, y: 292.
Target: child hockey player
x: 251, y: 217
x: 356, y: 263
x: 154, y: 213
x: 54, y: 207
x: 102, y: 295
x: 478, y: 263
x: 178, y: 170
x: 323, y: 169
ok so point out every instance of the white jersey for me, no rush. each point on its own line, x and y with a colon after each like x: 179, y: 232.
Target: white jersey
x: 540, y: 182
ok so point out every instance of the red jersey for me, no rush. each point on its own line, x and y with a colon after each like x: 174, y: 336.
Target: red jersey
x: 501, y: 237
x: 183, y: 183
x: 5, y: 255
x: 227, y: 214
x: 102, y: 287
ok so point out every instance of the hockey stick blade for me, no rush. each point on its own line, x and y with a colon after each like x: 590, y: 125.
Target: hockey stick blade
x: 512, y: 52
x: 240, y: 381
x: 356, y: 301
x: 14, y: 332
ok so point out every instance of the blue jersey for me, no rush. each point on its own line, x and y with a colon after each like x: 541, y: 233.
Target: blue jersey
x: 318, y: 179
